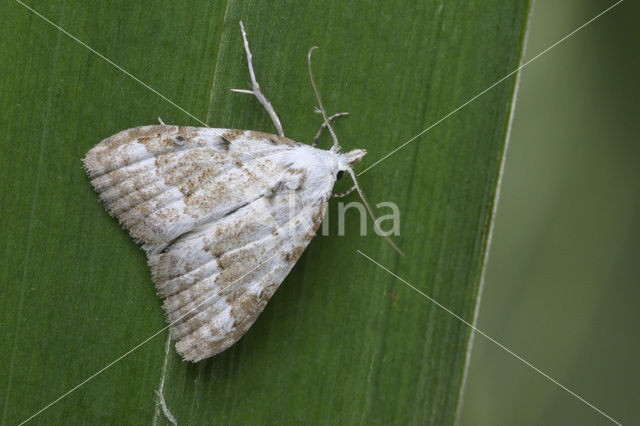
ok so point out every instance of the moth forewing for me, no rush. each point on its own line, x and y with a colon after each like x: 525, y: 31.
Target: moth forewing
x: 208, y: 205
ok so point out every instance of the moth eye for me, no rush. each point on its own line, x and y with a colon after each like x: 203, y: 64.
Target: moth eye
x: 339, y: 175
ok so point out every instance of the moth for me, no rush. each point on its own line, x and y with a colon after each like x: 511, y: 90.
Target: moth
x: 222, y: 214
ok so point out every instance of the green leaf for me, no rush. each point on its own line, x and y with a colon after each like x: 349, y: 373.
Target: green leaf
x: 342, y: 341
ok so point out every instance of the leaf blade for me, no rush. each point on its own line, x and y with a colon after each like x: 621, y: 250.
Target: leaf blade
x: 329, y: 346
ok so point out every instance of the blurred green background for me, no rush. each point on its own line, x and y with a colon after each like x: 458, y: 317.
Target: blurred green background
x: 561, y: 288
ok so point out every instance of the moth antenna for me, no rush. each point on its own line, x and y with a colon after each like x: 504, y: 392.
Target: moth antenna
x: 255, y: 87
x: 317, y: 138
x: 336, y: 145
x: 370, y: 211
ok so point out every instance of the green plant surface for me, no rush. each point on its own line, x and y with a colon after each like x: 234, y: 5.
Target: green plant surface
x: 342, y: 341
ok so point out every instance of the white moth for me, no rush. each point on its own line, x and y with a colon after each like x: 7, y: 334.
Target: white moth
x: 222, y: 214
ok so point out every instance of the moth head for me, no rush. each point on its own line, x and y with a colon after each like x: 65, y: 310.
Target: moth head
x: 350, y: 158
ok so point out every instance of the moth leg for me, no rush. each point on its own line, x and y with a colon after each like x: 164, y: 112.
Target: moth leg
x: 344, y: 194
x: 255, y: 87
x: 317, y: 138
x: 161, y: 122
